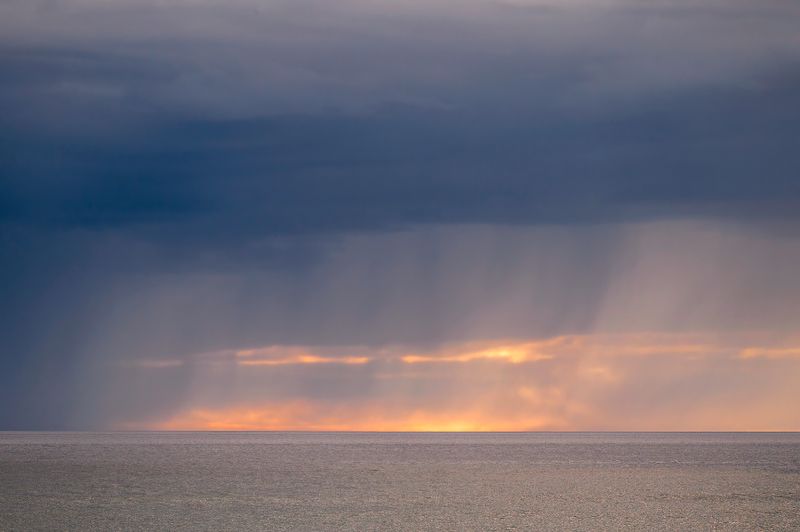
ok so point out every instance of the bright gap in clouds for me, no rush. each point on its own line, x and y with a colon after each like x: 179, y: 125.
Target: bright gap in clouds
x: 650, y: 381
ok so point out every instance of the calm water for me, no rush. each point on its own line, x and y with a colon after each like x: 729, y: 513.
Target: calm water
x: 277, y: 481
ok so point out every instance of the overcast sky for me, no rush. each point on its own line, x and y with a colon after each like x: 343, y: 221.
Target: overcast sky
x: 391, y: 215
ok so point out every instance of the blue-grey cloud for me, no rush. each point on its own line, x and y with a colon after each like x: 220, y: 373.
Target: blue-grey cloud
x: 276, y: 120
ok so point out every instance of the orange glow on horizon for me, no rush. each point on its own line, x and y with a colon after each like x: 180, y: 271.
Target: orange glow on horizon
x: 609, y: 345
x: 512, y: 353
x: 304, y: 359
x: 509, y: 351
x: 305, y: 416
x: 771, y: 353
x: 571, y: 382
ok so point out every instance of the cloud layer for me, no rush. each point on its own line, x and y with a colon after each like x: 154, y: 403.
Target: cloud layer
x: 211, y: 123
x: 589, y: 382
x: 180, y: 178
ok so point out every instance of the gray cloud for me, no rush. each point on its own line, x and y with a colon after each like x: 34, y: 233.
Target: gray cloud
x: 259, y: 119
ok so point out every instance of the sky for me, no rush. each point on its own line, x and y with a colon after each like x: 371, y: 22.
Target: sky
x: 399, y: 215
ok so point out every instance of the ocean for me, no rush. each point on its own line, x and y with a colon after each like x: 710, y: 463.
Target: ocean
x: 399, y: 481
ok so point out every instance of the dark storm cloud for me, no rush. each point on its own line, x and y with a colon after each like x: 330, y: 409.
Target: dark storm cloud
x: 719, y: 153
x: 298, y: 124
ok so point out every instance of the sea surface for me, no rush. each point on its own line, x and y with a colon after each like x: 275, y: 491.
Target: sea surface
x: 393, y: 481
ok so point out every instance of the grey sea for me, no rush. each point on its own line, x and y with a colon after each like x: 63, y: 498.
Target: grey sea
x: 392, y: 481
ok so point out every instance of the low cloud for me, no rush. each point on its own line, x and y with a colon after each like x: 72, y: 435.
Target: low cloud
x: 636, y: 381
